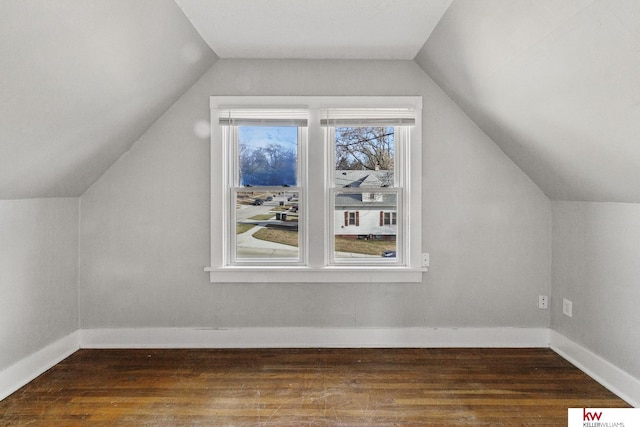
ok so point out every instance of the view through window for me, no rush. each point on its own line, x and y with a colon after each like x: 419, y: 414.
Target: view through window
x: 267, y: 200
x: 315, y: 186
x: 364, y: 165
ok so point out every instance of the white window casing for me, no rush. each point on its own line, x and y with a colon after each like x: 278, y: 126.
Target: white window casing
x: 315, y: 118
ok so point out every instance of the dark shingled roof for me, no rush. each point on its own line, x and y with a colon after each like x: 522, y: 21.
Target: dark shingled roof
x: 367, y: 180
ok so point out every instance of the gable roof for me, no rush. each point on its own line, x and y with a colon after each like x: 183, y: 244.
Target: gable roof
x: 368, y: 180
x: 363, y: 178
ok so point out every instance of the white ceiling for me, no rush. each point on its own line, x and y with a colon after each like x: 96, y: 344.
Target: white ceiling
x: 555, y: 83
x: 337, y: 29
x: 80, y: 81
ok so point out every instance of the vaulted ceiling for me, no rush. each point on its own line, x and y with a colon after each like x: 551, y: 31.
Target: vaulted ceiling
x: 553, y: 82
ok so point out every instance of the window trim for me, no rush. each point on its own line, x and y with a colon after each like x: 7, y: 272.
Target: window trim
x: 317, y: 266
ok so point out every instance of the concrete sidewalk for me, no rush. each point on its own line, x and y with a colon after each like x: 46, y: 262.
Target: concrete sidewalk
x: 248, y: 246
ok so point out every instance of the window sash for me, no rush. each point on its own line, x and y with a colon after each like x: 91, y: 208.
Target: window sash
x: 230, y: 138
x: 401, y: 150
x: 235, y: 259
x: 351, y: 219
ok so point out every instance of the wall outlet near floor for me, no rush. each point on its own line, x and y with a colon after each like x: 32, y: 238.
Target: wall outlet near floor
x: 543, y: 302
x: 567, y: 307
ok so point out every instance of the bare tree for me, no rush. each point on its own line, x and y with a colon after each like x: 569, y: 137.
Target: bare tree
x: 364, y: 148
x: 271, y: 165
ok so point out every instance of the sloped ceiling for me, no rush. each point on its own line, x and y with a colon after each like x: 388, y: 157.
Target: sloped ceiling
x: 335, y: 29
x: 80, y: 81
x: 555, y: 83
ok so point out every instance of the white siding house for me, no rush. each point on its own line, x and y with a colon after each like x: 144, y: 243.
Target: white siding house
x: 367, y: 214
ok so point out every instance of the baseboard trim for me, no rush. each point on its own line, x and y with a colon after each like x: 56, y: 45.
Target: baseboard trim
x: 618, y: 381
x: 27, y: 369
x: 610, y: 376
x: 299, y: 337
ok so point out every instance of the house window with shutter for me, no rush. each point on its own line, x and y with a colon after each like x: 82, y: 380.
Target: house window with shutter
x: 387, y: 218
x: 352, y: 218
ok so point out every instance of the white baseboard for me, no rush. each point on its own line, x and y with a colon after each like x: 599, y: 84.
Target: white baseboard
x: 27, y: 369
x: 610, y: 376
x: 313, y: 337
x: 619, y: 382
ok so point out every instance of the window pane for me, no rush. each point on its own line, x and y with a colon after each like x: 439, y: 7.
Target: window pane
x: 364, y: 156
x: 266, y: 225
x: 268, y: 155
x: 365, y: 228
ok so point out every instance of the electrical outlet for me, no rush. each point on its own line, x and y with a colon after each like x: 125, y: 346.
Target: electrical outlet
x: 425, y: 259
x: 543, y: 302
x: 567, y: 307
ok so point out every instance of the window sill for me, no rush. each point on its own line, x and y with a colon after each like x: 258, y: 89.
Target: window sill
x: 303, y: 274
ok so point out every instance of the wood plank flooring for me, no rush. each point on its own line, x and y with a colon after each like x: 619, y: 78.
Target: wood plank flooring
x: 306, y: 387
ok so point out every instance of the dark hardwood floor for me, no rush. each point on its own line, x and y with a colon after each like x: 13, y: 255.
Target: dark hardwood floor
x: 307, y: 387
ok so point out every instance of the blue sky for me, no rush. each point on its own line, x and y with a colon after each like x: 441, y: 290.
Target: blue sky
x: 262, y: 136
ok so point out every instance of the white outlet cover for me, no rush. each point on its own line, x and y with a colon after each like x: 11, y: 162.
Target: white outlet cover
x: 425, y: 259
x: 567, y: 307
x: 543, y: 302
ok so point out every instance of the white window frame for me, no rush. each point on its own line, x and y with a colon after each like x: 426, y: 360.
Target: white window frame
x: 235, y: 188
x: 401, y: 153
x: 316, y: 263
x: 356, y: 220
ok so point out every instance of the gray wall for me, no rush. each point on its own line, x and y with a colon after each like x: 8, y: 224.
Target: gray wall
x: 38, y: 274
x: 145, y: 224
x: 596, y: 254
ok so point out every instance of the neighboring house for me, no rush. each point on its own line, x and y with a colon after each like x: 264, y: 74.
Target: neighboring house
x: 365, y: 215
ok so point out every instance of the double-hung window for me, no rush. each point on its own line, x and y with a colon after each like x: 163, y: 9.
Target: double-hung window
x: 316, y: 189
x: 265, y: 173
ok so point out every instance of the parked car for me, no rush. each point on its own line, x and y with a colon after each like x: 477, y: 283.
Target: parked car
x: 269, y: 199
x: 258, y: 202
x: 389, y: 254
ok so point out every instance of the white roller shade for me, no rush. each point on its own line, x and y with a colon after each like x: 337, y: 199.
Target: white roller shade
x: 263, y: 117
x: 343, y: 117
